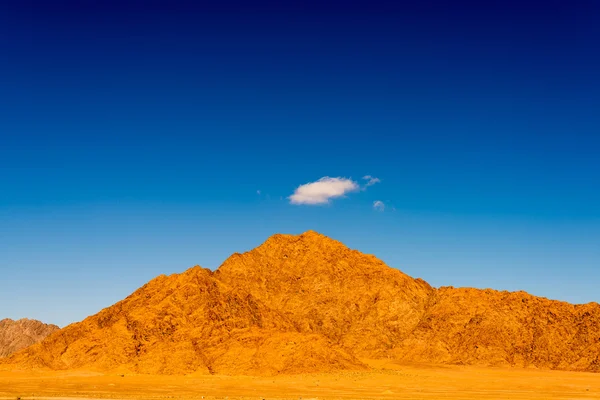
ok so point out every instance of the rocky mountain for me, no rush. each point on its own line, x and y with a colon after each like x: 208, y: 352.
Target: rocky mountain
x: 308, y: 303
x: 16, y: 335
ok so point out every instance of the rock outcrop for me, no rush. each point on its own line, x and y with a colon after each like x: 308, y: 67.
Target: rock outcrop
x: 16, y: 335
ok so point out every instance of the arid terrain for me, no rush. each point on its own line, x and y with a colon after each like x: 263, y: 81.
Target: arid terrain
x: 305, y: 316
x: 388, y: 380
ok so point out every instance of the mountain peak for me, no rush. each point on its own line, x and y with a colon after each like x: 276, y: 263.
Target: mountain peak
x: 309, y: 240
x: 314, y: 235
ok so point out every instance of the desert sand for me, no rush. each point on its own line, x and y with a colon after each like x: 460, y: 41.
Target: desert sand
x: 385, y: 380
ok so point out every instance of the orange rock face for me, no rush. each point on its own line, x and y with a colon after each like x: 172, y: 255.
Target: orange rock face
x: 308, y: 303
x: 487, y: 327
x: 16, y: 335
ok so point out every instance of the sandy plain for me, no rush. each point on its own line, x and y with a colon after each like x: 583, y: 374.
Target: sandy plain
x: 386, y: 380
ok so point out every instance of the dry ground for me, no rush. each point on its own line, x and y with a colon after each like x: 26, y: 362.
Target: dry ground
x: 387, y: 380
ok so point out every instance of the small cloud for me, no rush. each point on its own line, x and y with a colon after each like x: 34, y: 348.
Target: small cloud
x: 323, y: 190
x: 371, y: 180
x: 378, y: 205
x: 258, y: 192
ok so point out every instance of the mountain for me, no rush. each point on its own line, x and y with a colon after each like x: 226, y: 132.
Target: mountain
x: 308, y: 303
x: 488, y: 327
x: 185, y: 323
x: 16, y: 335
x: 360, y: 303
x: 327, y: 289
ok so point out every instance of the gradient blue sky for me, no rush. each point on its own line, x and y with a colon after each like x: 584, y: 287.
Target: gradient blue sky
x: 134, y: 139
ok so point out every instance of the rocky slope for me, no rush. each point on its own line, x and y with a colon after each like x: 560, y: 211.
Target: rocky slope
x: 185, y: 323
x: 307, y: 303
x: 487, y: 327
x: 16, y: 335
x: 325, y: 288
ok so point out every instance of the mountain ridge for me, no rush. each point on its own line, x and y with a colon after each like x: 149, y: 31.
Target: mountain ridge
x: 307, y: 303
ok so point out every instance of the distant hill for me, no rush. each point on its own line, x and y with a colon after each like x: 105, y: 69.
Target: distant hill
x: 308, y: 303
x: 16, y: 335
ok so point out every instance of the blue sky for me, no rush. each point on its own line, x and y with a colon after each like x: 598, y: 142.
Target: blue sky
x: 135, y: 139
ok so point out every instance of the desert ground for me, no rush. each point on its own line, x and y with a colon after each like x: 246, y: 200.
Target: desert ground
x: 386, y: 380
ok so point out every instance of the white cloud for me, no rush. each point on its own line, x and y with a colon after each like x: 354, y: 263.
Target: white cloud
x: 258, y: 192
x: 323, y: 190
x: 378, y: 205
x: 371, y: 180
